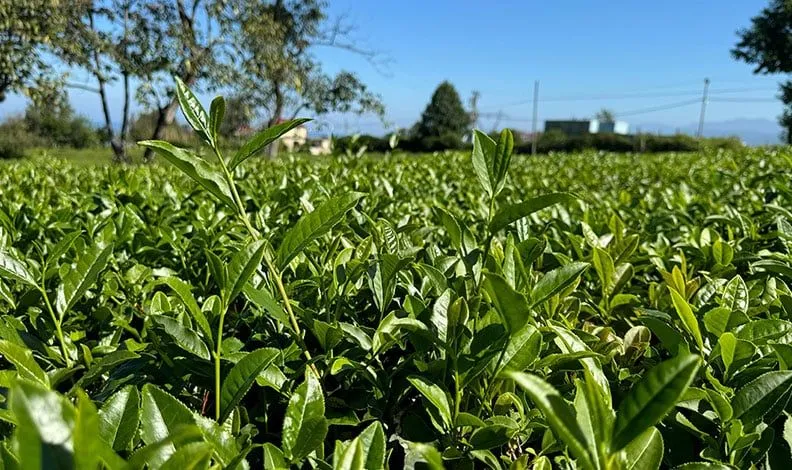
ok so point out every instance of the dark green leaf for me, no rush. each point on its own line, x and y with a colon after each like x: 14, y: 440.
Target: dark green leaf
x: 645, y: 452
x: 305, y: 426
x: 196, y: 168
x: 241, y: 378
x: 82, y: 277
x: 264, y: 138
x: 655, y: 395
x: 315, y: 224
x: 522, y: 349
x: 184, y: 292
x: 511, y: 305
x: 558, y: 413
x: 514, y: 212
x: 557, y: 280
x: 184, y: 338
x: 216, y: 113
x: 243, y: 265
x: 119, y: 418
x: 758, y: 397
x: 490, y: 437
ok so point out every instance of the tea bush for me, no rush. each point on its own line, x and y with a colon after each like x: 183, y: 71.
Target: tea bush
x: 473, y: 311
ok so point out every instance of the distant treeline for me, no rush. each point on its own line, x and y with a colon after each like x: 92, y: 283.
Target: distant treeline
x: 61, y: 127
x: 551, y: 142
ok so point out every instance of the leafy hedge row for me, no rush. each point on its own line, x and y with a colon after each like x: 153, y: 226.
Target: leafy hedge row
x: 358, y: 313
x: 551, y: 142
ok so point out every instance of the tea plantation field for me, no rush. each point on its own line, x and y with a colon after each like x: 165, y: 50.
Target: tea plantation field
x: 589, y: 311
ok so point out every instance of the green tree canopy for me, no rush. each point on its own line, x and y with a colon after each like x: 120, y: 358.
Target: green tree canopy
x: 605, y: 115
x: 767, y: 45
x: 444, y: 116
x: 279, y: 76
x: 29, y: 30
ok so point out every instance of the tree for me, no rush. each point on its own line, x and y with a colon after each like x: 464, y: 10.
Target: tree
x: 444, y: 116
x: 605, y: 115
x: 59, y: 125
x: 767, y: 44
x: 114, y: 46
x: 280, y: 77
x: 29, y: 31
x: 189, y: 39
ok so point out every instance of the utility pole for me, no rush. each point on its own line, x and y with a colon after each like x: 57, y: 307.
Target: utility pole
x: 498, y: 118
x: 474, y: 113
x: 704, y: 99
x: 534, y: 123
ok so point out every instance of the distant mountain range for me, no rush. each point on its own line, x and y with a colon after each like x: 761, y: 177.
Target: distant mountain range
x: 751, y: 131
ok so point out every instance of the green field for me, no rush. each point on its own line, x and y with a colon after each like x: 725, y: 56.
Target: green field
x: 641, y: 317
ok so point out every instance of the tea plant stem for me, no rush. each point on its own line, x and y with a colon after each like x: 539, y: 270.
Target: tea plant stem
x: 276, y: 276
x: 217, y: 357
x: 58, y: 329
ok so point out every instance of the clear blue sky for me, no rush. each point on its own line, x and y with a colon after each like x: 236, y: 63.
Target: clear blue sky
x: 573, y: 47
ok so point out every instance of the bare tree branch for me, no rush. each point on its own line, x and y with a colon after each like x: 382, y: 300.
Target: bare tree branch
x: 339, y: 36
x: 80, y: 86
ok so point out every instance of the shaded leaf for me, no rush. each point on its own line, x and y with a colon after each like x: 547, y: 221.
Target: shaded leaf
x: 184, y: 338
x: 436, y: 396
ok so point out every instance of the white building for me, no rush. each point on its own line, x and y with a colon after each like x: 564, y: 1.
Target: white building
x: 295, y: 138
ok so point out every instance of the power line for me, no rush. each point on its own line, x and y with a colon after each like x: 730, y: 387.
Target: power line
x: 652, y: 109
x: 633, y: 95
x: 631, y: 112
x: 745, y: 100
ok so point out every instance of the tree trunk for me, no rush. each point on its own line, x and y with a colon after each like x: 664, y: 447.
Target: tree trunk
x: 119, y: 154
x: 124, y: 134
x: 165, y: 116
x: 272, y: 150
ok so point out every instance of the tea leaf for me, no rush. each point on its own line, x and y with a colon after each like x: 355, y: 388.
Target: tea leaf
x: 305, y: 426
x: 557, y: 280
x: 241, y: 378
x: 650, y: 399
x: 12, y: 268
x: 314, y: 224
x: 689, y: 321
x: 196, y: 168
x: 119, y: 418
x: 645, y: 452
x: 262, y: 139
x: 23, y: 361
x: 82, y: 277
x: 558, y: 413
x: 243, y: 265
x: 758, y: 397
x: 436, y: 396
x: 517, y: 211
x: 192, y: 109
x: 184, y: 338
